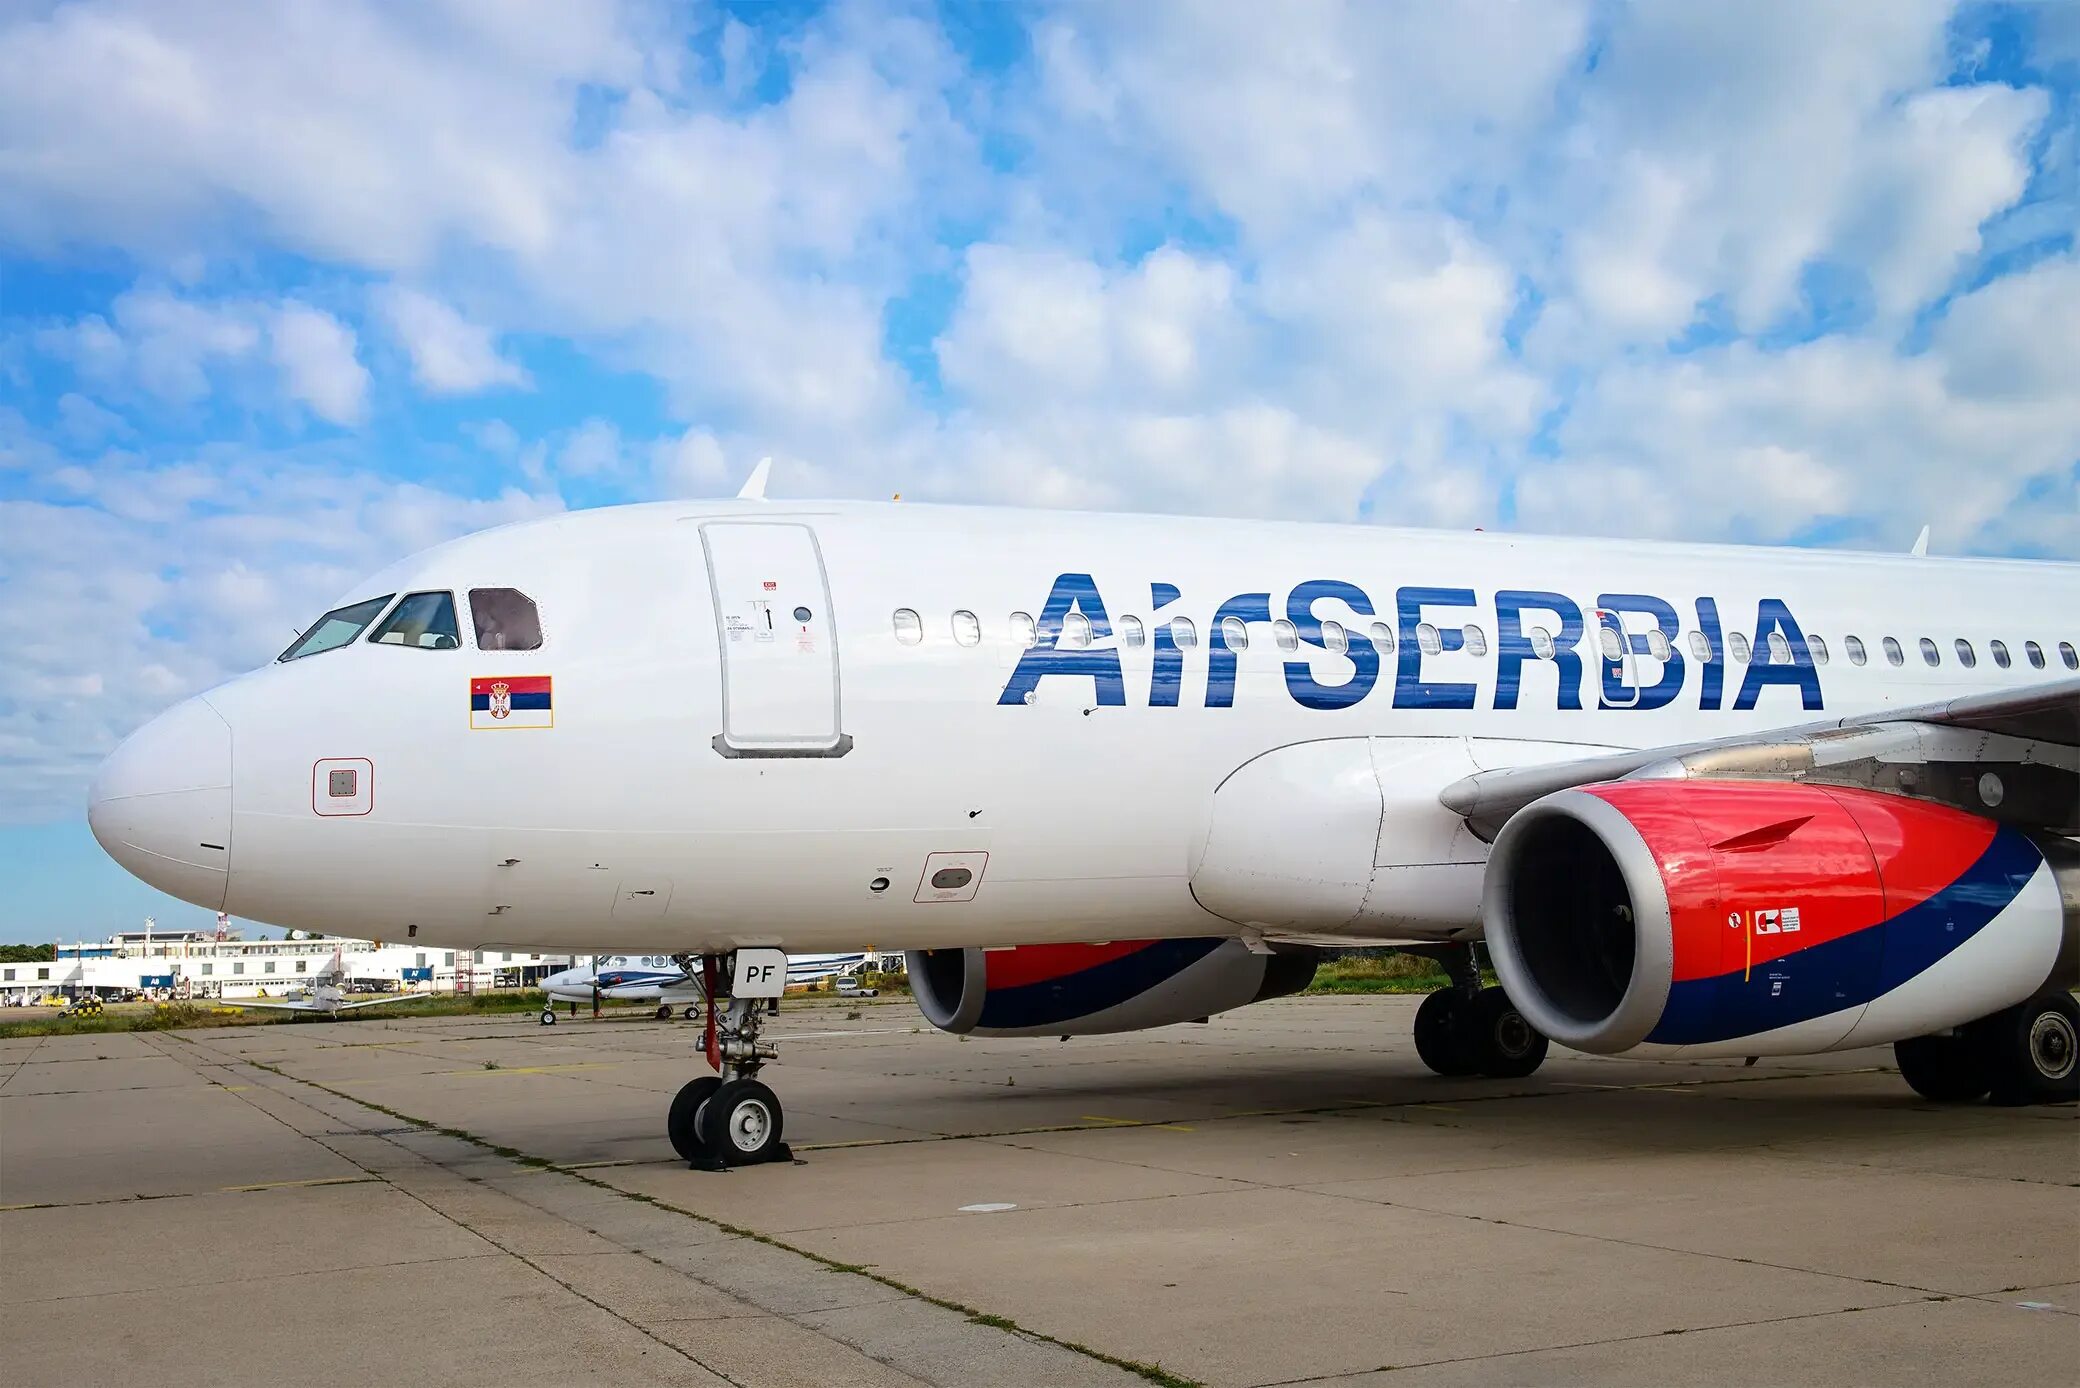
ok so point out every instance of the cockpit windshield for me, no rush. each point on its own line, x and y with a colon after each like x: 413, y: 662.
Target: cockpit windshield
x: 425, y: 621
x: 336, y: 628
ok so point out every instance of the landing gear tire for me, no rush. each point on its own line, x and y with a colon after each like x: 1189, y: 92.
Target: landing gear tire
x: 548, y: 1016
x: 664, y: 1012
x: 1437, y: 1033
x: 1496, y: 1039
x: 741, y: 1124
x: 684, y: 1123
x: 2031, y: 1051
x: 692, y: 1012
x: 1942, y: 1069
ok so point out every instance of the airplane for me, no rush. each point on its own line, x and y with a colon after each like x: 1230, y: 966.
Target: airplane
x: 660, y: 979
x: 1097, y: 773
x: 324, y: 996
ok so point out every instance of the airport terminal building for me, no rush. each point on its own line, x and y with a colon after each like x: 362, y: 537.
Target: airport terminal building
x: 197, y: 964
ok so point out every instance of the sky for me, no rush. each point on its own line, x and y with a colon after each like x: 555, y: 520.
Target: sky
x: 291, y: 289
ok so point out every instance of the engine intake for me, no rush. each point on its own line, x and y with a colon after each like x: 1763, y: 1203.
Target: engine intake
x: 1085, y: 990
x: 1761, y: 917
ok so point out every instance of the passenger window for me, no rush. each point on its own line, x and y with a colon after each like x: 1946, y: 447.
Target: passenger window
x: 1607, y: 641
x: 1701, y: 647
x: 1779, y: 649
x: 1335, y: 638
x: 422, y: 620
x: 1383, y: 638
x: 506, y: 620
x: 1131, y: 630
x: 1283, y: 633
x: 1022, y: 632
x: 909, y: 626
x: 1929, y: 654
x: 2035, y: 653
x: 1427, y: 639
x: 1737, y: 646
x: 1542, y: 643
x: 1893, y: 654
x: 1184, y: 633
x: 1818, y: 646
x: 1854, y: 646
x: 1999, y: 650
x: 967, y: 628
x: 1234, y: 634
x: 1965, y: 655
x: 1657, y: 644
x: 1076, y: 631
x: 1476, y: 640
x: 2070, y: 656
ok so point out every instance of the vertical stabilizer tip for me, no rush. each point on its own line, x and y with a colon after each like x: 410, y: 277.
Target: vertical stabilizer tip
x: 754, y: 488
x: 1920, y: 543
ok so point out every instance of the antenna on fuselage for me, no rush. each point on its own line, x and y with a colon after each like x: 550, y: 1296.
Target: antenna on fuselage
x: 1920, y: 549
x: 754, y: 488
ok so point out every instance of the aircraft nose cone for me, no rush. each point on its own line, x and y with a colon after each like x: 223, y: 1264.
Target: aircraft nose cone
x: 161, y: 804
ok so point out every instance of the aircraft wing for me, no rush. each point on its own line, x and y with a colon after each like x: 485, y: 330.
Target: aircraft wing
x: 2027, y: 740
x: 290, y: 1006
x: 376, y: 1002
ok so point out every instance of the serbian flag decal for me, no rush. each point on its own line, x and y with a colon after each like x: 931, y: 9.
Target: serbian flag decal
x: 511, y: 701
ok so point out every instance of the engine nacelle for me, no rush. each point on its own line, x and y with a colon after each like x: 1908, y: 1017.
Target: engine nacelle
x: 1763, y: 917
x: 1084, y: 990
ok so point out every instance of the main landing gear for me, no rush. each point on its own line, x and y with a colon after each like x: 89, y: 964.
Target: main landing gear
x: 1465, y: 1029
x: 2025, y: 1054
x: 731, y: 1118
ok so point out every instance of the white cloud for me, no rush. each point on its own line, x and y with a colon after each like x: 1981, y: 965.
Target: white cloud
x: 150, y: 581
x: 450, y: 355
x: 1759, y: 444
x: 315, y: 353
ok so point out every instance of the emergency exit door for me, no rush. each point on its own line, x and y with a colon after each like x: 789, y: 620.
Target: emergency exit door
x: 779, y: 642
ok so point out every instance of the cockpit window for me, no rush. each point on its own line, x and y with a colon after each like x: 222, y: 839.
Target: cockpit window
x: 506, y: 619
x: 336, y: 628
x: 425, y: 621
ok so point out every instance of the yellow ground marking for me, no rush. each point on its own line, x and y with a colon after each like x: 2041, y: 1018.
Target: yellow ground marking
x: 234, y: 1088
x: 1134, y: 1123
x: 314, y: 1181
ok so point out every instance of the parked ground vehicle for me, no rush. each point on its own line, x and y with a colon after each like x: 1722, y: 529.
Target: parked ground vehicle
x: 849, y: 987
x: 85, y: 1005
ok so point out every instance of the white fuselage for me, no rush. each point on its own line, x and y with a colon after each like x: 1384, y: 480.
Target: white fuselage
x: 627, y: 820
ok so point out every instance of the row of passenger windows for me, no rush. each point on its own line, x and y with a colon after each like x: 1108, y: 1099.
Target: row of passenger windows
x: 1234, y: 635
x: 505, y: 619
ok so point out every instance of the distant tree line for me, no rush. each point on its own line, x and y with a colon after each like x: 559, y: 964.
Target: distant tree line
x: 27, y: 954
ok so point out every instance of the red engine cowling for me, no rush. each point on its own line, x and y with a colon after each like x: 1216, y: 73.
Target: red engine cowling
x: 1760, y: 917
x: 1083, y: 990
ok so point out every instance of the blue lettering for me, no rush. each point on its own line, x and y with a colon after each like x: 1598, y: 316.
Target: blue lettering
x: 1362, y: 654
x: 1513, y: 648
x: 1166, y: 680
x: 1411, y: 690
x: 1713, y: 694
x: 1772, y: 617
x: 1615, y: 687
x: 1072, y: 592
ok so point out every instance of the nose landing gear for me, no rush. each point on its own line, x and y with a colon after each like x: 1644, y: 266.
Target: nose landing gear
x: 731, y: 1118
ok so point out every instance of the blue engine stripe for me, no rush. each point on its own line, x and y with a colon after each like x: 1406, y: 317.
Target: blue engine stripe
x: 1851, y: 970
x: 1057, y: 1000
